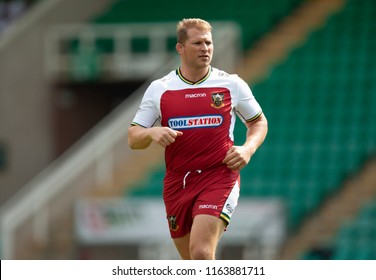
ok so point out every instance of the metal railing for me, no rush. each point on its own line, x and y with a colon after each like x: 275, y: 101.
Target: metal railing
x: 107, y: 51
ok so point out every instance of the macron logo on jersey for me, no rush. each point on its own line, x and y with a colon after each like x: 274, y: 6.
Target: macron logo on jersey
x: 195, y: 122
x: 195, y: 95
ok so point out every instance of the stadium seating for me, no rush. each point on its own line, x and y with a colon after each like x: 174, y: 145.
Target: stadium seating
x: 255, y: 17
x: 321, y: 113
x: 150, y: 186
x: 356, y: 239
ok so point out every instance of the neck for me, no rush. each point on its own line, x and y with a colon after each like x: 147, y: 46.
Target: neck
x: 194, y: 75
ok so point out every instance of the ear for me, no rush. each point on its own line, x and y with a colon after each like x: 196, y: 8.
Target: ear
x: 179, y: 48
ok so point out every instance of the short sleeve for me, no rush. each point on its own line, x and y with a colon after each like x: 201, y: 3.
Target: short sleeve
x: 247, y: 108
x: 147, y: 113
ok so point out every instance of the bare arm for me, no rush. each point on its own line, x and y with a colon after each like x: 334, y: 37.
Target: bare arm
x: 238, y: 157
x: 140, y: 137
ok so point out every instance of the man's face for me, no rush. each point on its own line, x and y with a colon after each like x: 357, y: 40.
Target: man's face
x: 197, y: 51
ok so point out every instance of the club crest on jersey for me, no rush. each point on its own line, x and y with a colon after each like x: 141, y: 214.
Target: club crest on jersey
x: 217, y: 100
x: 195, y: 122
x: 172, y: 223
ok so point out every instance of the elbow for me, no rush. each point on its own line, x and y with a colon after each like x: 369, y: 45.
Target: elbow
x: 134, y: 141
x: 262, y: 119
x: 131, y: 144
x: 265, y: 124
x: 261, y: 124
x: 131, y: 141
x: 138, y: 138
x: 265, y: 120
x: 134, y: 145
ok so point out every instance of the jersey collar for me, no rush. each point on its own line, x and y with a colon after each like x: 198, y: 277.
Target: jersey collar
x: 178, y: 72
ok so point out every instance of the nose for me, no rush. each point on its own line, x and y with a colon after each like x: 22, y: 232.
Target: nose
x: 204, y: 47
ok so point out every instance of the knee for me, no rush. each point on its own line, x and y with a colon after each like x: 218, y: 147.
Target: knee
x: 201, y: 253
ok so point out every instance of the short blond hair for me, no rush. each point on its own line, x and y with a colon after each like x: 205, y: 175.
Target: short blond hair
x: 188, y: 23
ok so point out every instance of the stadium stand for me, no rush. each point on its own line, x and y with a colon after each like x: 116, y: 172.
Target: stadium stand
x: 343, y: 70
x: 356, y: 239
x: 122, y: 12
x: 255, y: 17
x: 316, y: 238
x: 324, y: 95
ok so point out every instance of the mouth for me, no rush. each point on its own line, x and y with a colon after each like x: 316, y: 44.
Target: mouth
x: 204, y: 56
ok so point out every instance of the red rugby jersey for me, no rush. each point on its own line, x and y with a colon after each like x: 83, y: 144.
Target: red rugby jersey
x: 204, y: 111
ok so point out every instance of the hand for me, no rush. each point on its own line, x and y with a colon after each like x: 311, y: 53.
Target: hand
x: 237, y: 157
x: 164, y: 136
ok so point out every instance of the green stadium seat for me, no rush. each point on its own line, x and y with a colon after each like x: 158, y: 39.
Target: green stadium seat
x: 356, y: 238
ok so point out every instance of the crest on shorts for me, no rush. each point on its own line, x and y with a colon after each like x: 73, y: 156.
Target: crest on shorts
x: 172, y: 223
x: 229, y: 208
x: 217, y: 99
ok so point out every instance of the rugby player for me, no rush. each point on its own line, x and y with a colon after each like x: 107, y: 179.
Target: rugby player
x: 197, y: 106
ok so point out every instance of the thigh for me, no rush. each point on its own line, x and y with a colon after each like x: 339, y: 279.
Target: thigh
x: 182, y: 245
x: 205, y: 234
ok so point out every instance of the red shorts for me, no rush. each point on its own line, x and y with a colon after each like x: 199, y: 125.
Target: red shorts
x: 213, y: 192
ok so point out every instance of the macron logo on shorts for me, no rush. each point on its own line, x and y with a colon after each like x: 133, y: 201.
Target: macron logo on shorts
x: 195, y: 122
